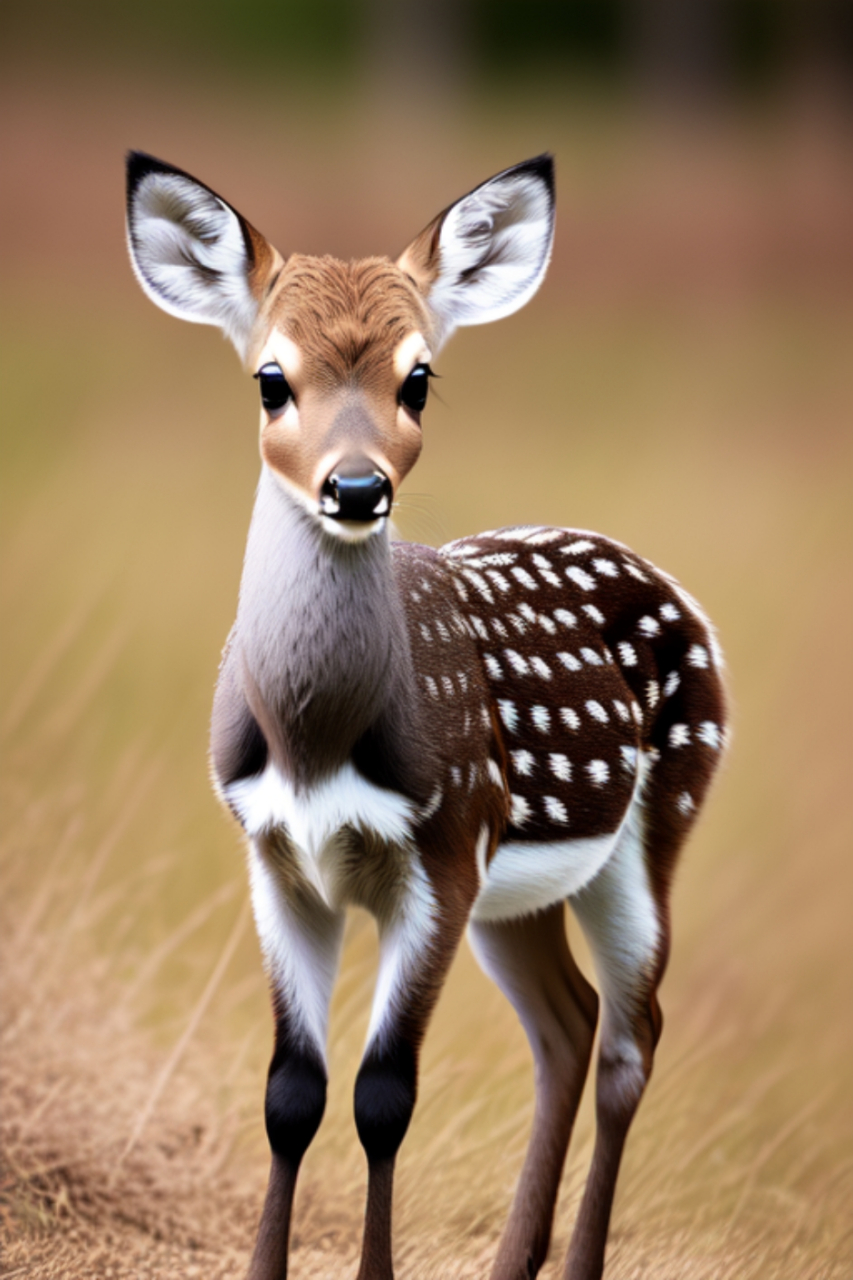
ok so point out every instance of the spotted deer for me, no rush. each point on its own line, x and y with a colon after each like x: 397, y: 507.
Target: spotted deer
x: 455, y: 738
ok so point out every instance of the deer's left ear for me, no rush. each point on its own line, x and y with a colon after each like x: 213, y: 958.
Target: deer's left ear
x: 486, y: 255
x: 193, y: 254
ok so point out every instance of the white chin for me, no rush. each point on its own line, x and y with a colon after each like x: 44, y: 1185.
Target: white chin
x: 353, y: 530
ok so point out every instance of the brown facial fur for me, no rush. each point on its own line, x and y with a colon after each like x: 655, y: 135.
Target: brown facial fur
x: 346, y: 320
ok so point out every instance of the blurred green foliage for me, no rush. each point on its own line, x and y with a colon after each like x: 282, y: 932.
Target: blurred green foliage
x: 729, y: 44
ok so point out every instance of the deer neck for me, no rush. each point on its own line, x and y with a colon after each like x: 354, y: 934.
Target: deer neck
x: 323, y: 644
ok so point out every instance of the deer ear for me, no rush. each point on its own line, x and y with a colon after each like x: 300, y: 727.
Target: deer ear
x: 193, y: 254
x: 486, y: 255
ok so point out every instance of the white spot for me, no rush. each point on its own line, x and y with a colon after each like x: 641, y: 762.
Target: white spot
x: 599, y: 772
x: 565, y: 617
x: 621, y: 710
x: 637, y: 712
x: 684, y: 804
x: 541, y: 562
x: 501, y: 558
x: 493, y: 667
x: 569, y: 661
x: 526, y: 579
x: 432, y: 687
x: 546, y: 535
x: 649, y: 625
x: 479, y: 627
x: 627, y: 654
x: 590, y: 656
x: 519, y: 810
x: 466, y: 723
x: 629, y: 758
x: 669, y: 613
x: 509, y: 714
x: 679, y: 735
x: 592, y: 612
x: 473, y: 774
x: 499, y: 629
x: 459, y: 549
x: 527, y: 611
x: 519, y: 623
x: 426, y: 633
x: 461, y: 589
x: 606, y: 568
x: 560, y: 766
x: 462, y: 680
x: 432, y: 805
x: 494, y: 772
x: 652, y: 693
x: 541, y: 718
x: 578, y: 548
x: 546, y: 623
x: 635, y: 572
x: 596, y: 710
x: 580, y: 577
x: 478, y: 582
x: 523, y: 762
x: 555, y: 809
x: 518, y: 664
x: 456, y: 775
x: 447, y: 686
x: 709, y: 733
x: 443, y: 633
x: 498, y: 580
x: 416, y: 596
x: 671, y: 683
x: 485, y: 718
x: 570, y: 718
x: 551, y: 578
x: 540, y: 667
x: 427, y: 585
x: 698, y: 656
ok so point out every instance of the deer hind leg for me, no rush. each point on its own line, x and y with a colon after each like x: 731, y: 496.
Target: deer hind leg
x: 301, y: 941
x: 627, y: 931
x: 530, y: 961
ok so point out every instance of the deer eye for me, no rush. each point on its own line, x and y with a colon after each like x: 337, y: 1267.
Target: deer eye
x: 275, y: 389
x: 413, y: 393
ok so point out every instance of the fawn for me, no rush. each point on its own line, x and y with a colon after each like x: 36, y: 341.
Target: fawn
x: 452, y: 739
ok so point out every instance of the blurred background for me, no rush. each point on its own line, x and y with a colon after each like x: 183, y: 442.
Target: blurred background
x: 683, y: 382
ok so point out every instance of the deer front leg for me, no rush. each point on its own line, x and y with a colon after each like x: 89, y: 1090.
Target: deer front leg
x: 416, y: 948
x: 301, y: 941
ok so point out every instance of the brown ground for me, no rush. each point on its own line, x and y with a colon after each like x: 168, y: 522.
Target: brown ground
x: 683, y: 383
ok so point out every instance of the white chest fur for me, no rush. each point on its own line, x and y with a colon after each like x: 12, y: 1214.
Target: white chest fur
x: 317, y: 820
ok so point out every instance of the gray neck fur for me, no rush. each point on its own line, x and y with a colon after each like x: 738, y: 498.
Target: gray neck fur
x: 323, y: 643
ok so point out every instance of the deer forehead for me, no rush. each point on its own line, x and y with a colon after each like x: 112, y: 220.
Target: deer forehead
x: 338, y: 321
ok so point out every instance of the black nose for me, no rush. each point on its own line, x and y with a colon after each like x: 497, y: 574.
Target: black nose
x: 359, y: 497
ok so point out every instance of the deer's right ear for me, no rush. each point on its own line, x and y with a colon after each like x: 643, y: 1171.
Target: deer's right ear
x: 193, y: 254
x: 486, y: 255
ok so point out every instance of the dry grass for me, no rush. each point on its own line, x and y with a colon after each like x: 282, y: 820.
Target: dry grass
x: 713, y: 435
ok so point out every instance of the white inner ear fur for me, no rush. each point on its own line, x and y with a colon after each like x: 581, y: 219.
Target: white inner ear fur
x: 189, y: 255
x: 411, y: 351
x: 494, y: 247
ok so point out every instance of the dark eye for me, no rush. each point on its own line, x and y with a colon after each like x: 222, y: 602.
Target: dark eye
x: 413, y: 393
x: 275, y: 389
